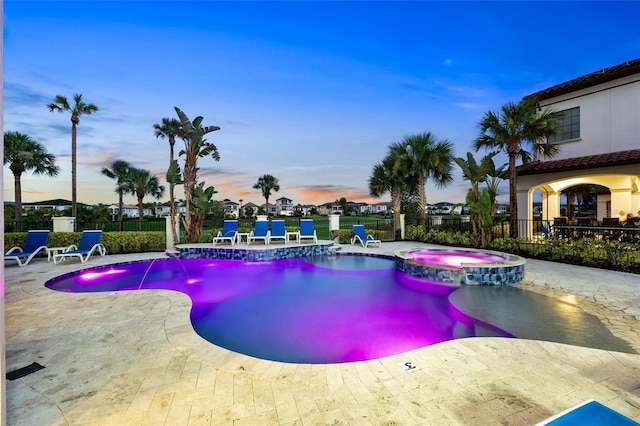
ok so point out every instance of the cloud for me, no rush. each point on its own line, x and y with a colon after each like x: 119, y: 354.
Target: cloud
x: 319, y: 194
x: 21, y: 94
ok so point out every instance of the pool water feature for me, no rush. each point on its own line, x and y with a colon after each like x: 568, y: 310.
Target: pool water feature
x: 461, y: 266
x: 324, y: 309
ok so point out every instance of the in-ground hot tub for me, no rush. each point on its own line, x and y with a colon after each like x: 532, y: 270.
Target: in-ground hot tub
x: 461, y: 266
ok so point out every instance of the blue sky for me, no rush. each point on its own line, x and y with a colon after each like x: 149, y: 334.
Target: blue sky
x: 312, y: 93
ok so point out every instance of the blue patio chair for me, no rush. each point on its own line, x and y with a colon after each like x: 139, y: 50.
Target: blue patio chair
x: 260, y: 232
x: 89, y: 243
x: 229, y: 233
x: 307, y: 231
x: 35, y: 243
x: 278, y: 231
x: 362, y: 237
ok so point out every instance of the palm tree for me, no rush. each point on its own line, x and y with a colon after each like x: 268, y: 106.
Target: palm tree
x: 24, y: 154
x: 427, y: 157
x: 495, y: 175
x: 170, y: 128
x: 141, y: 183
x: 266, y: 184
x: 480, y: 203
x: 513, y: 128
x: 390, y: 176
x: 79, y: 108
x: 195, y: 146
x: 120, y: 172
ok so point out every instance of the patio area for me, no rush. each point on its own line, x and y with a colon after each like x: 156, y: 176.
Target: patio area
x: 133, y: 358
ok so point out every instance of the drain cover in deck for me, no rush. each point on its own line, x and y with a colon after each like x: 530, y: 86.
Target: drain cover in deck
x: 21, y: 372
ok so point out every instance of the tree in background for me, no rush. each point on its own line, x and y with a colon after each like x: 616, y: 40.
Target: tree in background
x: 266, y: 184
x: 495, y: 175
x: 120, y: 172
x: 195, y: 147
x: 479, y: 202
x: 61, y: 104
x: 169, y: 129
x: 142, y: 183
x: 512, y: 129
x: 23, y: 154
x: 427, y: 157
x: 391, y: 175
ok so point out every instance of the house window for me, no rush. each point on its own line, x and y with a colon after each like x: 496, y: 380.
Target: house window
x: 569, y: 126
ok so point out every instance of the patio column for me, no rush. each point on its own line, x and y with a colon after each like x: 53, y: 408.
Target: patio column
x: 550, y: 205
x: 524, y: 198
x: 621, y: 202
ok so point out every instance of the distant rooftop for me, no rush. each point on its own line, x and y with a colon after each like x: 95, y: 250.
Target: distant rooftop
x: 605, y: 75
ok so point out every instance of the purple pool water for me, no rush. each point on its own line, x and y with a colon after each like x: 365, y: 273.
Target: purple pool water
x: 317, y: 310
x: 453, y: 258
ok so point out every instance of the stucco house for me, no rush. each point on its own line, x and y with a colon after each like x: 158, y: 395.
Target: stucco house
x: 599, y: 140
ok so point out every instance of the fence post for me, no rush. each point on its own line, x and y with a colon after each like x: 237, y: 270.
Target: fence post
x: 63, y: 224
x: 402, y: 215
x: 334, y: 223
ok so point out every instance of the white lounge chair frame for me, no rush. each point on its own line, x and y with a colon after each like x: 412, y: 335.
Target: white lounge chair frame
x: 75, y: 251
x: 253, y: 237
x: 18, y: 253
x: 368, y: 238
x: 282, y: 237
x: 313, y: 236
x: 232, y: 237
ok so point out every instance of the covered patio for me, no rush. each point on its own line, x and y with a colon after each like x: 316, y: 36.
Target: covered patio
x: 618, y: 171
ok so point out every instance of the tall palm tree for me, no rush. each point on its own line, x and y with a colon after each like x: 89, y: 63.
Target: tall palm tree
x: 142, y: 183
x: 61, y: 104
x: 512, y: 130
x: 391, y: 176
x: 266, y: 184
x: 169, y: 129
x: 120, y: 172
x: 427, y: 157
x: 23, y: 154
x: 195, y: 147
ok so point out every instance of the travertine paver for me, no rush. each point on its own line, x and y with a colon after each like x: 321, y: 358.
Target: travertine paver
x: 132, y: 358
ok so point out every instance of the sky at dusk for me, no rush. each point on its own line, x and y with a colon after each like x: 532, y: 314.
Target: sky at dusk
x: 312, y: 93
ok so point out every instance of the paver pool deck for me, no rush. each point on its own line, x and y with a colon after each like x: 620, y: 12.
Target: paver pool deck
x: 133, y: 358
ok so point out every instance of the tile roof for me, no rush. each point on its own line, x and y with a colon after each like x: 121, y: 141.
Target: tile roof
x: 581, y: 163
x: 603, y: 76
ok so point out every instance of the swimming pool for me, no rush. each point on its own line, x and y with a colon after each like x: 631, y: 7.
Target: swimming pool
x: 318, y: 309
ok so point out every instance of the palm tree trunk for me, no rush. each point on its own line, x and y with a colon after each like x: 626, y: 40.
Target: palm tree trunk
x: 18, y: 201
x: 513, y: 202
x: 422, y: 201
x: 74, y: 207
x: 190, y: 177
x: 140, y: 214
x: 172, y: 198
x: 395, y: 200
x: 120, y: 205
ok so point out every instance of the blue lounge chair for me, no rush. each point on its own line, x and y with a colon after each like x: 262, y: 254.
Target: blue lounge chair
x: 229, y: 233
x: 278, y: 231
x: 35, y: 243
x: 260, y: 232
x: 362, y: 237
x: 307, y: 231
x: 89, y: 243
